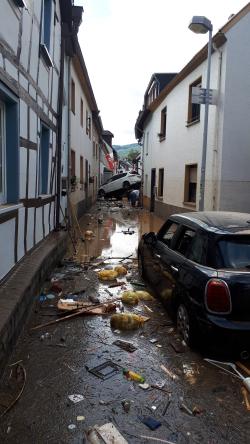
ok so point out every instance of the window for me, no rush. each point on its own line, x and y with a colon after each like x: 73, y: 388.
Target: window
x: 9, y: 146
x: 167, y: 232
x: 46, y: 25
x: 73, y: 103
x: 190, y: 183
x: 44, y: 159
x: 146, y: 143
x: 185, y: 241
x: 94, y: 149
x: 161, y: 182
x: 193, y: 108
x: 89, y: 124
x: 2, y: 152
x: 81, y: 113
x: 81, y: 169
x: 198, y: 249
x: 73, y: 163
x: 234, y: 252
x: 162, y: 134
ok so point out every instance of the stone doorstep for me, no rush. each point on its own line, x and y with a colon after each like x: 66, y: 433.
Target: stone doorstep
x: 17, y: 293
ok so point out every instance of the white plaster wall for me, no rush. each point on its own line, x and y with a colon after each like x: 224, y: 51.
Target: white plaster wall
x: 30, y: 228
x: 26, y: 33
x: 32, y: 173
x: 80, y: 141
x: 46, y: 219
x: 20, y: 244
x: 235, y: 158
x: 9, y: 24
x: 43, y: 78
x: 183, y: 144
x: 39, y: 224
x: 23, y: 119
x: 34, y: 50
x: 33, y: 126
x: 23, y: 170
x: 52, y: 216
x: 7, y: 231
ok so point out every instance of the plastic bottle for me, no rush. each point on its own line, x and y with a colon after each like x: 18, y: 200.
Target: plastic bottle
x: 133, y: 376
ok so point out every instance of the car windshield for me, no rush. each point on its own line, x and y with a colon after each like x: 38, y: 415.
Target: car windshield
x: 234, y: 253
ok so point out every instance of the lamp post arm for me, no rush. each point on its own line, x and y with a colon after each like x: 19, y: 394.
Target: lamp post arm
x: 205, y: 129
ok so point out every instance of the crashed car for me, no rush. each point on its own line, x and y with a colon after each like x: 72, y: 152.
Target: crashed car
x: 118, y: 183
x: 199, y: 264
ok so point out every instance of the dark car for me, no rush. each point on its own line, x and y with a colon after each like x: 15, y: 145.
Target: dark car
x: 199, y: 264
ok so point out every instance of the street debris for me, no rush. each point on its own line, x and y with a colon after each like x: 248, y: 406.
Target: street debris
x: 71, y: 426
x: 168, y: 372
x: 144, y: 386
x: 107, y: 275
x: 107, y: 433
x: 20, y: 374
x: 127, y: 346
x: 177, y: 346
x: 76, y: 398
x: 122, y: 271
x: 245, y: 396
x: 165, y: 409
x: 127, y: 321
x: 80, y: 418
x: 105, y: 370
x: 153, y: 340
x: 237, y: 374
x: 151, y: 438
x: 133, y: 376
x: 130, y: 297
x: 185, y: 408
x: 150, y: 422
x: 126, y: 405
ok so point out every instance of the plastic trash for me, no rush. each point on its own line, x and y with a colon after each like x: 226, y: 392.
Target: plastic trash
x: 130, y: 297
x: 127, y: 321
x: 107, y: 275
x: 133, y: 376
x: 121, y: 270
x: 144, y: 295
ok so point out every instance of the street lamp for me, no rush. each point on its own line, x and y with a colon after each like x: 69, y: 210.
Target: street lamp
x: 201, y: 25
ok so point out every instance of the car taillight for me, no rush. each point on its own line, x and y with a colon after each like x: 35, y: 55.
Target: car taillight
x: 217, y: 297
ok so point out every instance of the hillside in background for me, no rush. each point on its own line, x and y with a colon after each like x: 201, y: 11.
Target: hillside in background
x: 123, y: 150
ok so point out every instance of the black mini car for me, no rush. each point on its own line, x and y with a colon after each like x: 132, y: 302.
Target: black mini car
x: 199, y: 264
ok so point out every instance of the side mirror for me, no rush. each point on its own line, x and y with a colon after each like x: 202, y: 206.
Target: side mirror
x: 150, y: 238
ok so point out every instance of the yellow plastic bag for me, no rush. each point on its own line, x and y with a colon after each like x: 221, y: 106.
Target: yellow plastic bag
x: 127, y: 321
x: 121, y: 270
x: 107, y: 275
x: 144, y: 295
x: 130, y: 297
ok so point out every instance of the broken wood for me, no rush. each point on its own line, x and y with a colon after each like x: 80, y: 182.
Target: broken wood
x: 83, y: 311
x: 243, y: 367
x: 19, y: 394
x: 245, y: 396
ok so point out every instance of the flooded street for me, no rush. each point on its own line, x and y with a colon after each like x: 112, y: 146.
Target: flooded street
x: 185, y: 399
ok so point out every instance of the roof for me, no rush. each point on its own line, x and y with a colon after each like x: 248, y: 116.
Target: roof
x: 163, y: 78
x: 218, y: 40
x: 221, y: 222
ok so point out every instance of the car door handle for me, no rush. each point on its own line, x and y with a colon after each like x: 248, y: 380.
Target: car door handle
x: 157, y: 255
x: 174, y: 269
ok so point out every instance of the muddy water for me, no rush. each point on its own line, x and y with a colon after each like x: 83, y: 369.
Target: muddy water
x: 109, y: 238
x: 57, y: 367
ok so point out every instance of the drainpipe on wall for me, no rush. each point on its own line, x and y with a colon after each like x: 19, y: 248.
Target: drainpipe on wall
x: 59, y: 133
x: 216, y: 140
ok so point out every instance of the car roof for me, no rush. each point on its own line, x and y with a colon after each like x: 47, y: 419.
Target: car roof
x: 220, y: 222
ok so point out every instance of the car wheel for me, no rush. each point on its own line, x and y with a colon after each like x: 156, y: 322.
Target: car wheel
x: 140, y: 266
x: 101, y: 193
x: 186, y: 325
x: 126, y: 185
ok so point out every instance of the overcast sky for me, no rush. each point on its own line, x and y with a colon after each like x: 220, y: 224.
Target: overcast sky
x: 125, y: 42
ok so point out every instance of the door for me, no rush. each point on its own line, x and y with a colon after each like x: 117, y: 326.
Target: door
x: 152, y: 198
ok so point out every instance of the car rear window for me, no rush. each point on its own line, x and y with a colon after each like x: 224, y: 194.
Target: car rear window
x: 234, y: 253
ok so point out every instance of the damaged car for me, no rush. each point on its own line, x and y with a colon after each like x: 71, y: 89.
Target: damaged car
x: 199, y: 264
x: 120, y: 183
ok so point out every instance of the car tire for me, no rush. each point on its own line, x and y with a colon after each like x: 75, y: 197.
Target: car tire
x: 186, y: 325
x: 126, y: 185
x: 101, y: 193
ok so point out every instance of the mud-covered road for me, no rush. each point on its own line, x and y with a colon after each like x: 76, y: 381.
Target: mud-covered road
x: 56, y: 359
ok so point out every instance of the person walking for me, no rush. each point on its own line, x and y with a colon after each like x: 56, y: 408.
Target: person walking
x: 134, y: 197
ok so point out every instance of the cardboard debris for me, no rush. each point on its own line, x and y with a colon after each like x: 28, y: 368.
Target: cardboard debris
x: 76, y: 398
x: 107, y: 434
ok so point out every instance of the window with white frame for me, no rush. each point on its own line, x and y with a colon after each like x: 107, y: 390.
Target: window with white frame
x: 2, y: 152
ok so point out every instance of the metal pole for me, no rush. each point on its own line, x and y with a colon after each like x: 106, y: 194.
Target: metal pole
x: 204, y: 146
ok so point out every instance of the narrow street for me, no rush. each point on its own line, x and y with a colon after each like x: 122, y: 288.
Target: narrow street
x: 192, y: 401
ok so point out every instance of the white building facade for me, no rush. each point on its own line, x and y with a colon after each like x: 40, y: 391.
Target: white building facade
x: 171, y: 128
x: 30, y: 66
